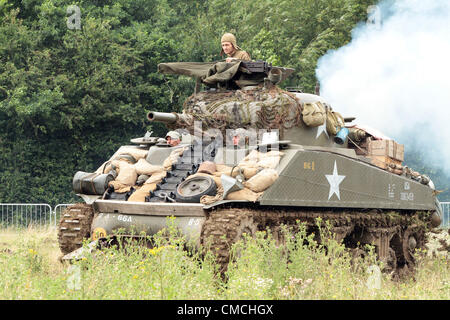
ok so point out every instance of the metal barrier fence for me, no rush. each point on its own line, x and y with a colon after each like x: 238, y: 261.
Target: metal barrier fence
x: 20, y: 215
x: 24, y: 215
x: 445, y: 206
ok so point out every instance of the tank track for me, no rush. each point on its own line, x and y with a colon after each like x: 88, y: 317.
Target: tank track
x: 394, y: 234
x: 74, y: 226
x: 186, y: 165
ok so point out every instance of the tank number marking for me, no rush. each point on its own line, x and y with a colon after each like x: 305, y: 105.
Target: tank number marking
x: 309, y: 165
x: 407, y: 196
x: 391, y: 190
x: 194, y: 222
x: 124, y: 218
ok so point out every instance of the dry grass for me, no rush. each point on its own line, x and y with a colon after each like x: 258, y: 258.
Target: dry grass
x: 31, y: 269
x: 43, y: 240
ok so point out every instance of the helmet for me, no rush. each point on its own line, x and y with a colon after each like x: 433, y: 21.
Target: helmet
x: 229, y: 37
x: 173, y: 134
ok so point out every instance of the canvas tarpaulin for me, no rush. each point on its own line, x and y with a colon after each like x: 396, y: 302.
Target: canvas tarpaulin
x: 191, y: 69
x: 209, y: 72
x: 212, y: 73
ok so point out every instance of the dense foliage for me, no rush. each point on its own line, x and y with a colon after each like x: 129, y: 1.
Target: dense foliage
x: 69, y: 97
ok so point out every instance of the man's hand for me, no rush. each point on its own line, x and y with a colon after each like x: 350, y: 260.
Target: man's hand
x: 228, y: 60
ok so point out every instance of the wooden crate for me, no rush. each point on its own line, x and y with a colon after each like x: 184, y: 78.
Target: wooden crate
x: 386, y: 148
x: 383, y: 161
x: 382, y: 153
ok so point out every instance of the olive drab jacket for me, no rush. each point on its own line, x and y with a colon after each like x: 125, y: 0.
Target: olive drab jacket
x: 241, y: 55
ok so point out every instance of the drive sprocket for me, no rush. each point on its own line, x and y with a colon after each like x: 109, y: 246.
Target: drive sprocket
x: 74, y: 227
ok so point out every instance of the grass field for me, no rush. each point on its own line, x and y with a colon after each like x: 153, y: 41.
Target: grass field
x: 30, y: 269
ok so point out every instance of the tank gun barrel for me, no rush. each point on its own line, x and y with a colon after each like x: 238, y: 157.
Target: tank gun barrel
x: 165, y: 117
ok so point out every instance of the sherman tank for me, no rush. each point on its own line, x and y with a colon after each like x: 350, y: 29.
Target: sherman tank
x: 252, y: 156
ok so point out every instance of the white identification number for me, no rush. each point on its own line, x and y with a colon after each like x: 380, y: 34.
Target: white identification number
x: 407, y: 196
x: 194, y: 222
x: 124, y: 218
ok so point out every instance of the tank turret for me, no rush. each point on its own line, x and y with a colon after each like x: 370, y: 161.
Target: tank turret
x: 245, y: 95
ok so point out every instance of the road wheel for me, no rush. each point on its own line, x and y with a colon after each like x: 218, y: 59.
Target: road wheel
x: 193, y: 189
x: 413, y: 238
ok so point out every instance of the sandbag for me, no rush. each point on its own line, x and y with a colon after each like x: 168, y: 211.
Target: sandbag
x: 119, y: 187
x: 256, y: 159
x: 156, y: 177
x: 253, y: 156
x: 173, y: 158
x: 244, y: 194
x: 127, y: 173
x: 206, y: 200
x: 104, y: 168
x: 250, y: 172
x: 125, y: 157
x: 207, y: 167
x: 262, y: 180
x: 314, y: 114
x: 135, y: 152
x: 143, y: 167
x: 269, y: 162
x: 115, y: 164
x: 274, y: 153
x: 140, y: 194
x: 224, y: 169
x: 334, y: 122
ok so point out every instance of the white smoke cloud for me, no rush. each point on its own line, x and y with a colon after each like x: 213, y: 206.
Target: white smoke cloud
x: 395, y: 77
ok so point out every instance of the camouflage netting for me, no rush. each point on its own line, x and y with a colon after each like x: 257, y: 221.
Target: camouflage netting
x: 258, y: 108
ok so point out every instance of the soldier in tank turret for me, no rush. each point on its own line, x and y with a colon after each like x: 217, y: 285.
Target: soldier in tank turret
x: 173, y: 138
x: 231, y: 49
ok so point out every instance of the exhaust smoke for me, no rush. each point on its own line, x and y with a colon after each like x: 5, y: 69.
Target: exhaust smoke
x: 395, y: 76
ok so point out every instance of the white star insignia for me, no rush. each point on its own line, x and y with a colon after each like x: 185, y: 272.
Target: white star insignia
x: 334, y: 180
x: 322, y: 128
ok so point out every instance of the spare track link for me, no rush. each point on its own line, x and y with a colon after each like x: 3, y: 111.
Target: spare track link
x: 224, y: 226
x: 74, y: 226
